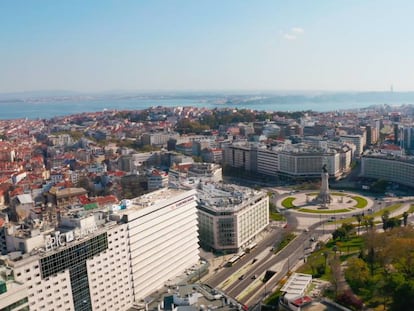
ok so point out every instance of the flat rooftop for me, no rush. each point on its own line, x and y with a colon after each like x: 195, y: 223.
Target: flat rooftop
x: 297, y: 284
x: 150, y: 199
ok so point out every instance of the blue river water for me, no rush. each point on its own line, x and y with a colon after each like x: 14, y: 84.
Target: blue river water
x: 49, y: 109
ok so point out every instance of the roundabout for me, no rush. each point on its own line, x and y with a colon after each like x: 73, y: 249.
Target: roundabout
x: 324, y: 201
x: 340, y: 203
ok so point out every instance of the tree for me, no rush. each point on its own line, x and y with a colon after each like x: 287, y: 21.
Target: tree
x: 393, y: 223
x: 339, y: 234
x: 405, y: 218
x: 357, y: 273
x: 343, y: 232
x: 359, y: 218
x: 385, y: 216
x: 336, y: 275
x: 348, y: 299
x: 379, y: 186
x: 368, y: 222
x: 403, y: 298
x: 372, y: 245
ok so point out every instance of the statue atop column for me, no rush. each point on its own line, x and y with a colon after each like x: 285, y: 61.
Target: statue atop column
x: 324, y: 198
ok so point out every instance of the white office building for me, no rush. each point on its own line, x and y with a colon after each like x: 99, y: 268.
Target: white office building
x: 163, y: 237
x: 398, y: 169
x: 82, y: 269
x: 104, y: 260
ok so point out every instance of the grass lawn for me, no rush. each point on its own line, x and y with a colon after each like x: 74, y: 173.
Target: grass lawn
x: 287, y: 239
x: 361, y: 202
x: 353, y: 245
x: 390, y: 208
x: 276, y: 216
x: 288, y: 202
x: 339, y: 194
x: 273, y: 299
x: 348, y: 220
x: 347, y: 249
x: 323, y: 211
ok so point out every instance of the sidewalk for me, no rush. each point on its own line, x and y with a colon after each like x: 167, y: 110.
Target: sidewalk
x: 216, y: 263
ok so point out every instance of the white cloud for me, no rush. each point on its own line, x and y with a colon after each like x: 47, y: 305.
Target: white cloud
x: 288, y: 36
x: 293, y: 33
x: 297, y: 30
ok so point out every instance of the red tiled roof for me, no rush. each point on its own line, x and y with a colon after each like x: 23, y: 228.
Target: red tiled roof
x: 109, y: 199
x: 83, y: 199
x: 302, y: 301
x: 391, y: 147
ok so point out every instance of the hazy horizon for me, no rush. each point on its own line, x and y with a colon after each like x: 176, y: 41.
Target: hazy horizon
x: 232, y: 46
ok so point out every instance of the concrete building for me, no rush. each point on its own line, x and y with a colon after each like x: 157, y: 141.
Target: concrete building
x: 13, y: 295
x: 293, y: 296
x: 399, y: 169
x: 229, y: 216
x: 357, y: 140
x: 212, y: 155
x: 302, y: 160
x: 60, y: 140
x: 408, y: 139
x: 206, y: 172
x: 66, y: 273
x: 183, y: 175
x: 306, y: 163
x: 104, y: 260
x: 157, y: 139
x: 157, y: 179
x: 267, y: 161
x: 240, y: 155
x: 163, y: 237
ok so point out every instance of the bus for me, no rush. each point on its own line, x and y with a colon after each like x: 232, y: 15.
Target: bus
x: 232, y: 260
x: 250, y: 247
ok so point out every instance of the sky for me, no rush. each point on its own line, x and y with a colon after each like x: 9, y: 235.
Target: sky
x: 318, y: 45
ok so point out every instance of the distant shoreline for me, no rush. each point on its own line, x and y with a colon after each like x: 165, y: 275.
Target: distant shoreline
x: 53, y: 106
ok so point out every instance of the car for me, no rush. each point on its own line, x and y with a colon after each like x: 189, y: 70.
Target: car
x: 241, y: 277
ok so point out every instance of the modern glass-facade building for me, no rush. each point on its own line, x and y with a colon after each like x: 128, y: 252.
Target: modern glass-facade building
x: 74, y: 259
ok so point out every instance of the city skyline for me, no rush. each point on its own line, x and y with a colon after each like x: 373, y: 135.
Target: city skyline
x: 182, y: 45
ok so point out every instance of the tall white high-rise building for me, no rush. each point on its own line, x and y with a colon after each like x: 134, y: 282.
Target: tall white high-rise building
x: 163, y: 237
x: 104, y: 260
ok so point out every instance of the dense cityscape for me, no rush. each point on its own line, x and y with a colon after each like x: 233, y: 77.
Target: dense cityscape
x: 206, y: 155
x: 169, y: 207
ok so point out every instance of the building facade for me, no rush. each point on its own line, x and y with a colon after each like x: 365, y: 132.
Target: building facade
x: 229, y: 216
x: 388, y: 167
x: 163, y: 238
x: 104, y: 260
